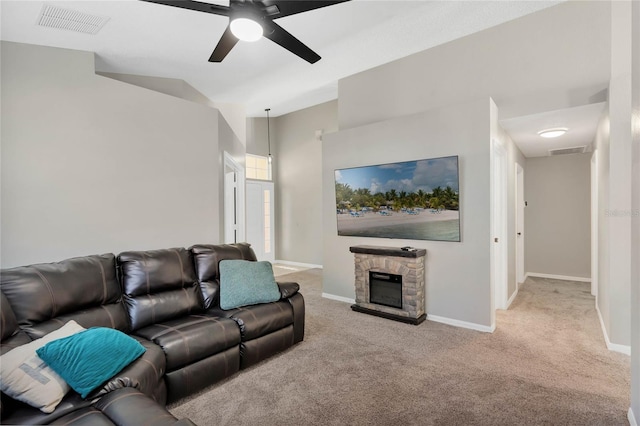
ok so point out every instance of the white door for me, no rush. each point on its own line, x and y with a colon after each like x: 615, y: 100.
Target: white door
x: 520, y: 205
x: 260, y: 219
x: 499, y: 253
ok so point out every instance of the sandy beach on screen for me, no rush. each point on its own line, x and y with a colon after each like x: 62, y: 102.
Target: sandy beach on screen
x: 347, y: 222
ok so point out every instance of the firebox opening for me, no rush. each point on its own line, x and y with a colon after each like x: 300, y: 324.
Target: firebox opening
x: 385, y: 289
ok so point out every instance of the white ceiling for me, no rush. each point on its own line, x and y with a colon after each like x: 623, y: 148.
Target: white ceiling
x: 156, y: 40
x: 581, y: 122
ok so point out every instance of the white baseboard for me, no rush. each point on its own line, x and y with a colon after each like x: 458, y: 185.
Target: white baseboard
x: 624, y: 349
x: 435, y: 318
x: 463, y: 324
x: 557, y: 277
x: 338, y: 298
x: 513, y: 296
x: 631, y: 418
x: 301, y: 265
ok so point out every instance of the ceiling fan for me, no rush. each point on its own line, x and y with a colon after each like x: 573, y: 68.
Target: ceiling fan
x: 251, y: 19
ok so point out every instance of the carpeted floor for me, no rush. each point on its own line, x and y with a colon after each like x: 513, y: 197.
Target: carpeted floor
x: 546, y: 363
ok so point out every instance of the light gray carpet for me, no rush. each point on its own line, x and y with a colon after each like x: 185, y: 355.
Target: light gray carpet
x: 546, y: 363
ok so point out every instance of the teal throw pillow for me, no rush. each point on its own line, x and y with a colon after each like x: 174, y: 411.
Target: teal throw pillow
x: 244, y: 282
x: 91, y: 357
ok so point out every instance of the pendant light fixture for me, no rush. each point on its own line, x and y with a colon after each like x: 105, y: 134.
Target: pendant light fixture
x: 268, y: 134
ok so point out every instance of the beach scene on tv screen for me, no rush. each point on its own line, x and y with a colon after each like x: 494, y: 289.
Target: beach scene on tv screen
x: 413, y: 200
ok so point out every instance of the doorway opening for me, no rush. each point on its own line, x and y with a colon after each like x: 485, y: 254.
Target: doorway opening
x: 234, y: 201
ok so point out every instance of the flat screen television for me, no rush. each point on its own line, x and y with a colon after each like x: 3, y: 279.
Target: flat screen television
x: 412, y: 200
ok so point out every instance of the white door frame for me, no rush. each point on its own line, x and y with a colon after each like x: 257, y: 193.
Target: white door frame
x: 499, y: 209
x: 520, y: 236
x: 234, y: 199
x: 594, y: 225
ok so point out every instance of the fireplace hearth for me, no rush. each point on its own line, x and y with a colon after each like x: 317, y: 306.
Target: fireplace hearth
x: 390, y: 283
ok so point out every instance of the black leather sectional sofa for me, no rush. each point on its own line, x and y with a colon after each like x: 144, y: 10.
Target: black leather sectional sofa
x: 166, y: 299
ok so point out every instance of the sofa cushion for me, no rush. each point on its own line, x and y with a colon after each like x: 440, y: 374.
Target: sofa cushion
x: 258, y: 320
x: 244, y: 283
x: 46, y: 296
x: 160, y: 307
x: 206, y: 259
x: 15, y: 341
x: 159, y: 285
x: 208, y: 256
x: 18, y: 413
x: 189, y: 339
x: 9, y: 323
x: 27, y: 378
x: 87, y: 359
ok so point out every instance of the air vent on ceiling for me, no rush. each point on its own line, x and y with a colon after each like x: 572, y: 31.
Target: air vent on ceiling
x: 71, y: 20
x: 574, y: 150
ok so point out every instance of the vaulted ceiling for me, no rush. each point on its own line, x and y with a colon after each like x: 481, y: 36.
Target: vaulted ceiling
x: 156, y: 40
x: 142, y: 38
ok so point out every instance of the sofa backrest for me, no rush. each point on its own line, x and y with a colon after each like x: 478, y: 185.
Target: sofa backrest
x: 158, y: 285
x: 45, y: 296
x: 12, y: 336
x: 207, y: 258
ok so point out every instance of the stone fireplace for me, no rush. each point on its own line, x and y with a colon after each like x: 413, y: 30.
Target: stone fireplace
x: 398, y: 279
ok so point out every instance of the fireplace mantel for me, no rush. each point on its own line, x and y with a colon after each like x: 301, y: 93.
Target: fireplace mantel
x: 388, y: 251
x: 409, y: 264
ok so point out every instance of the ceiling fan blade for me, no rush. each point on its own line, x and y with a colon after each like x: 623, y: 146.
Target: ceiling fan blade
x: 279, y: 35
x: 194, y: 5
x: 226, y: 43
x: 288, y: 7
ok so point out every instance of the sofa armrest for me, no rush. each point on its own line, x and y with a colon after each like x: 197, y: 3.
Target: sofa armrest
x: 297, y: 304
x: 288, y: 289
x: 131, y: 407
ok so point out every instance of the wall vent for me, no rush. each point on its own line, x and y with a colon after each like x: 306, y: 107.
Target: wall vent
x: 71, y: 20
x: 563, y: 151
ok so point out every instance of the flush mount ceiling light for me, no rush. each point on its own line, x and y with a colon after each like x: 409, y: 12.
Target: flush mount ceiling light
x: 246, y: 29
x: 552, y: 133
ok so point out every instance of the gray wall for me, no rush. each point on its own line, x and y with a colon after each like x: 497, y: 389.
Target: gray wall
x: 298, y: 174
x: 233, y: 114
x: 457, y: 273
x: 92, y: 165
x: 557, y: 217
x: 620, y: 175
x: 614, y: 156
x: 502, y: 63
x: 498, y: 63
x: 635, y: 243
x: 601, y: 144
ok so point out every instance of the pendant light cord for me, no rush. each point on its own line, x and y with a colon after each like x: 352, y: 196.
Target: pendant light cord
x: 268, y: 133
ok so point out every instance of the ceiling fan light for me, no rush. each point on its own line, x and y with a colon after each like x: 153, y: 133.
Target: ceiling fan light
x: 552, y: 133
x: 246, y: 29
